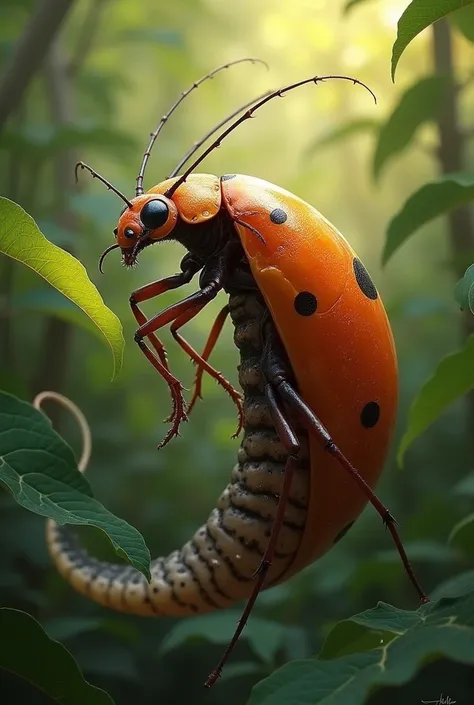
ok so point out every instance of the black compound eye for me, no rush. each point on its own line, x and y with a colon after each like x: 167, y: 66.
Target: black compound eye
x: 154, y: 214
x: 128, y: 232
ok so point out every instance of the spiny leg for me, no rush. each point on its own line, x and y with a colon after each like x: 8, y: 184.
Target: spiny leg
x: 189, y: 267
x: 206, y: 353
x: 291, y: 444
x: 202, y: 362
x: 212, y: 279
x: 278, y: 374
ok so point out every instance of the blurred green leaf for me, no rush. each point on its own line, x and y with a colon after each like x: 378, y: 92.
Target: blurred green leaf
x: 48, y: 140
x: 457, y: 586
x: 418, y: 15
x: 265, y: 638
x: 453, y: 377
x: 463, y: 20
x: 439, y: 629
x: 350, y: 4
x: 465, y: 487
x: 341, y: 132
x: 40, y: 471
x: 241, y: 668
x: 64, y: 628
x: 432, y: 200
x: 418, y: 104
x: 152, y: 34
x: 26, y: 649
x: 462, y: 535
x: 464, y: 290
x: 21, y: 239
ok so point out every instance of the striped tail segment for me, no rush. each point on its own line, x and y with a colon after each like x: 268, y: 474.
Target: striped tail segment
x: 216, y: 567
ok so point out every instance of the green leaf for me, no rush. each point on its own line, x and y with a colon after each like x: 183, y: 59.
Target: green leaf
x: 21, y: 239
x: 26, y: 649
x: 463, y: 20
x: 453, y: 377
x: 419, y: 104
x: 464, y: 290
x: 441, y: 629
x: 455, y: 587
x: 419, y: 15
x: 465, y: 487
x: 367, y: 630
x: 350, y: 4
x: 341, y: 132
x: 432, y: 200
x: 40, y: 471
x: 462, y: 535
x: 63, y: 629
x: 265, y: 638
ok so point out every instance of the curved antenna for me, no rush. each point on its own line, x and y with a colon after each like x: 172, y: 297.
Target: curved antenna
x: 164, y: 119
x: 246, y: 116
x: 201, y: 141
x: 95, y: 175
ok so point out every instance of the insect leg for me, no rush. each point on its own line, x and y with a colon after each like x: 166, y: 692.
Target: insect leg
x: 291, y: 444
x: 202, y: 361
x: 286, y: 391
x: 189, y: 268
x: 208, y: 348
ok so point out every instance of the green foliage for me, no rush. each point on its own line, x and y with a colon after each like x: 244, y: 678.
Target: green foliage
x: 26, y: 650
x: 21, y: 239
x: 418, y: 104
x: 40, y: 471
x: 405, y: 642
x: 464, y: 290
x: 462, y: 535
x: 341, y: 132
x: 453, y: 377
x: 419, y: 15
x: 463, y: 20
x: 350, y: 4
x: 265, y: 638
x: 430, y: 201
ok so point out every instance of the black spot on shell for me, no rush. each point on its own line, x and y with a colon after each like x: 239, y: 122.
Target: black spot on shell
x: 226, y: 177
x: 305, y: 303
x: 344, y: 531
x: 370, y: 414
x: 278, y: 216
x: 364, y: 281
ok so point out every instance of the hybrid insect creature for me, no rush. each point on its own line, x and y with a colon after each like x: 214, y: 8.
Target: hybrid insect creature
x: 318, y: 372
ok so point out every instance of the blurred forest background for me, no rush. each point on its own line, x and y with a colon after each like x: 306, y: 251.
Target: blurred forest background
x: 113, y: 70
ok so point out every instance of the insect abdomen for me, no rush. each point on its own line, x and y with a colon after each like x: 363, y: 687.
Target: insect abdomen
x: 216, y: 567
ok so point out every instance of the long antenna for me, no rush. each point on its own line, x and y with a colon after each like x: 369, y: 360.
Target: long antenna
x: 246, y: 116
x: 96, y: 175
x: 201, y: 141
x: 164, y: 119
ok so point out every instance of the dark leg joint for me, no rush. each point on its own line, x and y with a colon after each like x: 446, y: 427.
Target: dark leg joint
x: 138, y: 338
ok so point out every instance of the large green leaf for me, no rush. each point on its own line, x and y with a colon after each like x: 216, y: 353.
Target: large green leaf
x: 40, y: 471
x: 341, y: 132
x: 419, y: 104
x: 27, y: 651
x: 463, y: 20
x: 265, y: 637
x: 453, y: 377
x: 21, y: 239
x: 406, y: 641
x: 432, y: 200
x: 419, y: 15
